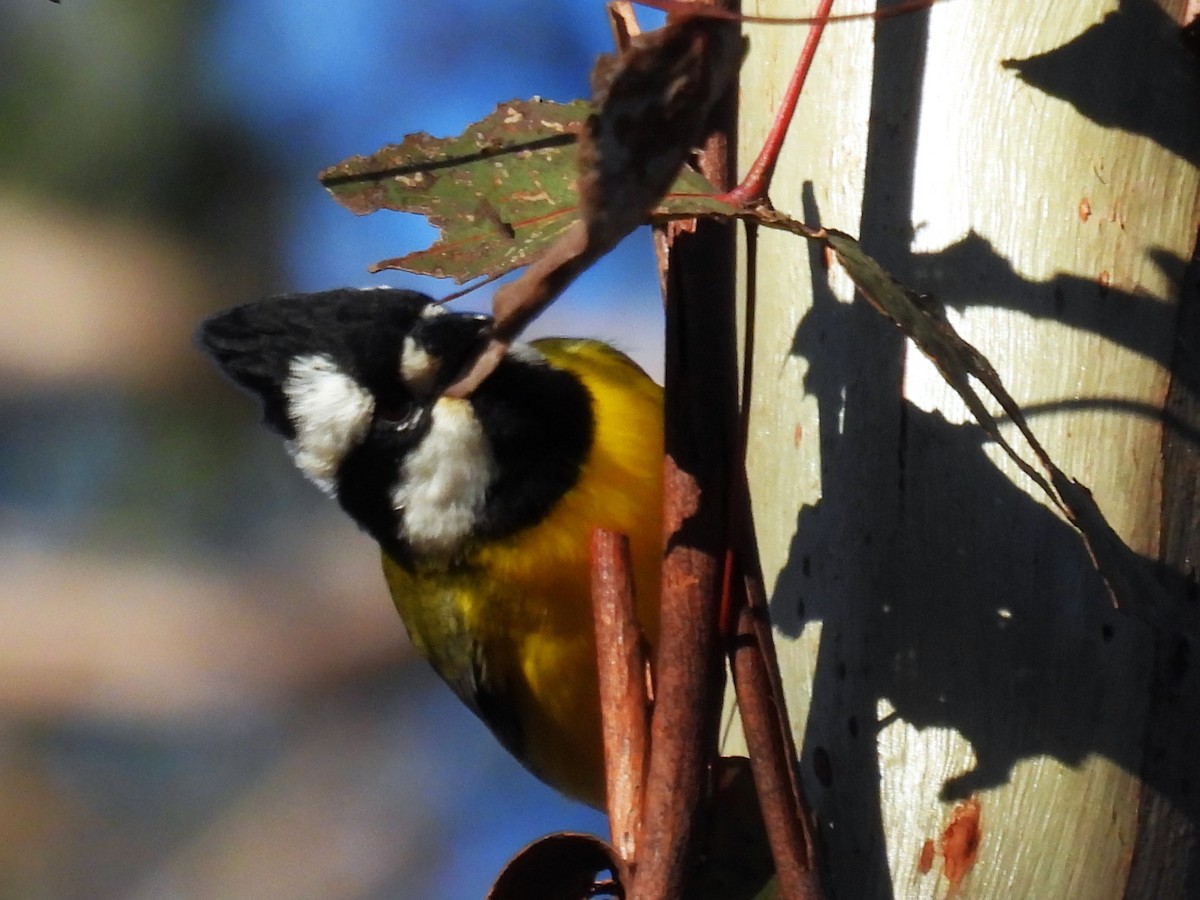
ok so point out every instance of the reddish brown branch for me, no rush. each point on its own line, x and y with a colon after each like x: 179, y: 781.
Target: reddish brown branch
x: 773, y: 755
x: 517, y: 303
x: 701, y: 395
x: 683, y: 725
x: 624, y: 713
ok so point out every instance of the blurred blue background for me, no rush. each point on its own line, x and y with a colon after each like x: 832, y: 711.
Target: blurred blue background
x: 204, y: 689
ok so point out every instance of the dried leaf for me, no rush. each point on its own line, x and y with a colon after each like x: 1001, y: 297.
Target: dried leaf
x: 564, y: 866
x: 652, y: 105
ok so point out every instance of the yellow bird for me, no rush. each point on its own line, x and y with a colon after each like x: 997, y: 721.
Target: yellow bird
x: 483, y: 506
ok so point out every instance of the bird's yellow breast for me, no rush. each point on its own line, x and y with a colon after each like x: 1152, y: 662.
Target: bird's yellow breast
x: 511, y: 627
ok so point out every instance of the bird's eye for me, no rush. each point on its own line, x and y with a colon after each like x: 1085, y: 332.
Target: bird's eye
x: 399, y: 414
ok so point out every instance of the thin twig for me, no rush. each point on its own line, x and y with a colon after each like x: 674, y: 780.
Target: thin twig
x: 623, y: 22
x: 773, y: 755
x: 754, y: 665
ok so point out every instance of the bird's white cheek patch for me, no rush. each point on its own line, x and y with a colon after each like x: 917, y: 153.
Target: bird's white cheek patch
x: 331, y: 413
x: 444, y: 480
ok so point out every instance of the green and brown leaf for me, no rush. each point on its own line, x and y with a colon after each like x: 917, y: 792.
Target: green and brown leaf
x: 500, y: 193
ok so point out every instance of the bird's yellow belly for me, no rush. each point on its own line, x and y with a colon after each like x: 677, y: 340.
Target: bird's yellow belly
x: 510, y: 625
x: 519, y: 648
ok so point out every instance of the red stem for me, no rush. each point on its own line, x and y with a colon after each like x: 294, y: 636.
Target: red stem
x: 754, y: 186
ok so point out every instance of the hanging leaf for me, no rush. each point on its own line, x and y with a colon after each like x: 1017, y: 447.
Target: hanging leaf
x: 922, y: 318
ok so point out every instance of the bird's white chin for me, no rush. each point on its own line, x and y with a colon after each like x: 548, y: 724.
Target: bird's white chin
x: 444, y: 481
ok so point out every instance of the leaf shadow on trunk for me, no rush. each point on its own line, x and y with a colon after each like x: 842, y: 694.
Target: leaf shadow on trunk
x: 1091, y: 73
x: 952, y: 599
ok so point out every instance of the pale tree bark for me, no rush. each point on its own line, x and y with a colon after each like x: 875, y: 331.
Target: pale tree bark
x: 944, y: 636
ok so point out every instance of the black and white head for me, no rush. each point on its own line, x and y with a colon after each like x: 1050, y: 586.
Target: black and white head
x: 352, y: 380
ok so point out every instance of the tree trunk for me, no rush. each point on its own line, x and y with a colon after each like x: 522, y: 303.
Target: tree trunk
x: 945, y: 641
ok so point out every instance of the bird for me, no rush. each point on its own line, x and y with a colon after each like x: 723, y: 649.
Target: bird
x: 482, y: 506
